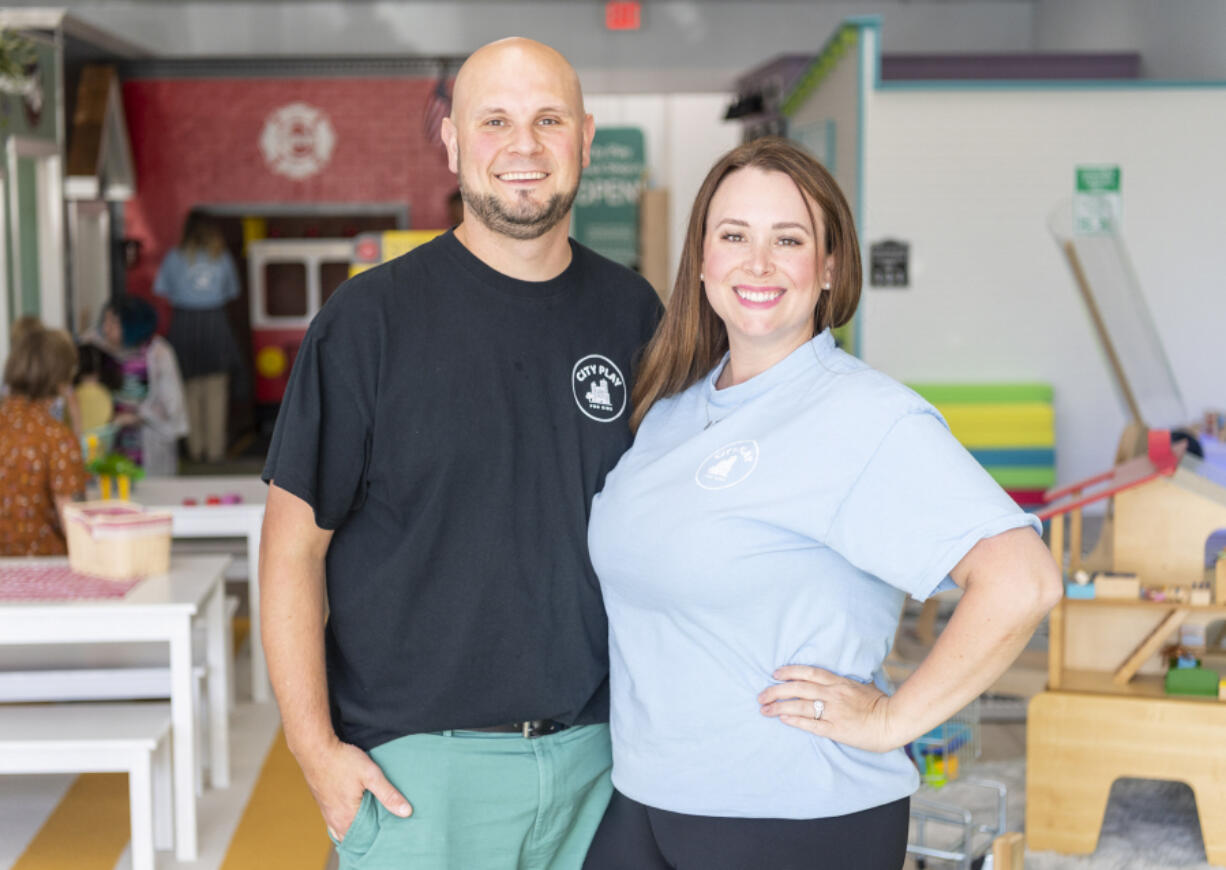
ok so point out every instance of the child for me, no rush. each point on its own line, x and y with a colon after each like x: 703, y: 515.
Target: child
x: 40, y: 458
x: 150, y: 409
x: 98, y: 376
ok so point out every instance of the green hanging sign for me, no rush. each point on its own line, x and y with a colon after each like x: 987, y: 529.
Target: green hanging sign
x: 606, y: 215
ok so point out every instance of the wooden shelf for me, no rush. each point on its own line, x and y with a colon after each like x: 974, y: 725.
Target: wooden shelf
x: 1113, y: 646
x: 1140, y: 686
x: 1145, y: 605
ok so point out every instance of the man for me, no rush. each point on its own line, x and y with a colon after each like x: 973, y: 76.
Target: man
x: 449, y: 418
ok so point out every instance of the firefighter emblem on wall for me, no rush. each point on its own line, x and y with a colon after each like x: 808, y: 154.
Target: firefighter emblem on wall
x: 297, y: 140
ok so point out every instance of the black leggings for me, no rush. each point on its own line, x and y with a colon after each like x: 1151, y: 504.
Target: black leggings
x: 636, y: 837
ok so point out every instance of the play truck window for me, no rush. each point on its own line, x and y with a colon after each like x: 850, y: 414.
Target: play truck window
x: 285, y: 289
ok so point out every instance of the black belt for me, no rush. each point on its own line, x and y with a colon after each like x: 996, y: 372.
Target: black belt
x: 529, y: 729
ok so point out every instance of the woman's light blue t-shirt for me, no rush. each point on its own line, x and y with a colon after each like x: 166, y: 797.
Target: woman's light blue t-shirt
x: 196, y: 282
x: 779, y: 521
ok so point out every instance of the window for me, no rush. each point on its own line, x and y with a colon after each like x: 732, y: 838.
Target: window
x: 331, y: 274
x: 285, y: 286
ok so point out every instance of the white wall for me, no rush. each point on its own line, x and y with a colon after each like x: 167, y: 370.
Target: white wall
x: 1178, y: 39
x: 968, y: 177
x: 685, y: 134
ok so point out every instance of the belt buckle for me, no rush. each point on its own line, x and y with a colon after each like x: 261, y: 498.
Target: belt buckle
x: 533, y: 728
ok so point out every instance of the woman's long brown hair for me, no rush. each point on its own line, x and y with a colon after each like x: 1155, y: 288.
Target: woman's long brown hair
x: 201, y: 233
x: 691, y: 338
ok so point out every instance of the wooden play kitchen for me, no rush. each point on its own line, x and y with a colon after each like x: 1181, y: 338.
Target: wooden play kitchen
x: 1111, y: 708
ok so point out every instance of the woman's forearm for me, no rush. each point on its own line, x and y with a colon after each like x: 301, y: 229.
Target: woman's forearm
x: 1011, y: 583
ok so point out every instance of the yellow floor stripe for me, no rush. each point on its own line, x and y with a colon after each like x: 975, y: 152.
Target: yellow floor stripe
x: 281, y: 828
x: 242, y: 628
x: 88, y: 830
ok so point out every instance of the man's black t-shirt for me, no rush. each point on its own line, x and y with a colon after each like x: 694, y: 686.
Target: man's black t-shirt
x: 452, y: 424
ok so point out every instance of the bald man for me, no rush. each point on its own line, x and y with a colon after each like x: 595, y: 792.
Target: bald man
x: 449, y: 417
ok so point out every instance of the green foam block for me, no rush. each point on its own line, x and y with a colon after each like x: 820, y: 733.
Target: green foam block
x: 1191, y: 681
x: 976, y: 393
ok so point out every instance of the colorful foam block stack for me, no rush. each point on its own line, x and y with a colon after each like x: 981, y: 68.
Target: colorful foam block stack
x: 1009, y: 428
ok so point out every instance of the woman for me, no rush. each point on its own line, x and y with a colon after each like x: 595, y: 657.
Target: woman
x: 40, y: 458
x: 198, y: 278
x: 150, y: 414
x: 756, y: 543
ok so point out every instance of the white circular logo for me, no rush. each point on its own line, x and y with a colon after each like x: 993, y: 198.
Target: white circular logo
x: 728, y: 466
x: 297, y: 140
x: 599, y: 388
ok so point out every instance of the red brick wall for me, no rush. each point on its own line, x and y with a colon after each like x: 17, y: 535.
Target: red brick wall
x: 197, y: 142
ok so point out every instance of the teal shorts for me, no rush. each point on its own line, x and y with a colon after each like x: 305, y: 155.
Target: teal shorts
x: 485, y: 801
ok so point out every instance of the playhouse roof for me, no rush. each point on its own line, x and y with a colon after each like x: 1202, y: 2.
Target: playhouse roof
x: 1162, y: 460
x: 1202, y: 477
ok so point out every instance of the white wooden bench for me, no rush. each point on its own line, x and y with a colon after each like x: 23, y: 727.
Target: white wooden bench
x: 128, y: 738
x: 110, y: 672
x: 96, y: 672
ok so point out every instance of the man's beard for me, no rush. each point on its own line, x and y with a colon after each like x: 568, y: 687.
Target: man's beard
x: 526, y: 221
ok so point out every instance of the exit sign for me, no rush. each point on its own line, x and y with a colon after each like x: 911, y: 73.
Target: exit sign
x: 623, y: 14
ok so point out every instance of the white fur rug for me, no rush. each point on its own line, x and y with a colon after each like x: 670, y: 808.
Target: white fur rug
x: 1149, y: 825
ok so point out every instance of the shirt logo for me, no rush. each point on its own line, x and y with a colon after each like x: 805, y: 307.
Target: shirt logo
x: 200, y: 277
x: 599, y: 388
x: 297, y: 140
x: 728, y: 466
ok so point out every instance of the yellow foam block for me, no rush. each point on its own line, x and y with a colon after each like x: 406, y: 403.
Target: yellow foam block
x: 1022, y: 424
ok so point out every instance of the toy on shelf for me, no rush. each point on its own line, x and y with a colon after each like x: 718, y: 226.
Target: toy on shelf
x: 1192, y: 681
x: 1114, y: 584
x: 115, y: 470
x: 212, y: 500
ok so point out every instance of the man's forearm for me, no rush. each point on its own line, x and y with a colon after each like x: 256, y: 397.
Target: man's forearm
x: 292, y: 623
x: 293, y: 550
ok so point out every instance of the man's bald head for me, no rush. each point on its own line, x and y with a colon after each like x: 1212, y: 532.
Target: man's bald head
x: 517, y: 58
x: 517, y: 138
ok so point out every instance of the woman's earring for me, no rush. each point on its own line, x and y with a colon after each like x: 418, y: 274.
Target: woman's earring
x: 701, y: 277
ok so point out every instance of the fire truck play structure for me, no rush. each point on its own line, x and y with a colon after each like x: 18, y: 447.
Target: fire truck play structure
x: 289, y: 280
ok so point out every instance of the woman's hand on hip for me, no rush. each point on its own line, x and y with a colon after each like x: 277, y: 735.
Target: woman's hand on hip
x: 825, y: 704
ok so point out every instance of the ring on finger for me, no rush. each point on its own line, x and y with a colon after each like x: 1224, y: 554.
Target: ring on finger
x: 819, y: 707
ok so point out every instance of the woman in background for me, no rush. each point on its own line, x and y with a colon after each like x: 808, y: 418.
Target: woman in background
x: 755, y: 545
x: 40, y: 457
x: 198, y: 278
x: 150, y: 414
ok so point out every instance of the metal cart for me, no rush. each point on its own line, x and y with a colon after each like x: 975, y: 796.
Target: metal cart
x: 942, y: 830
